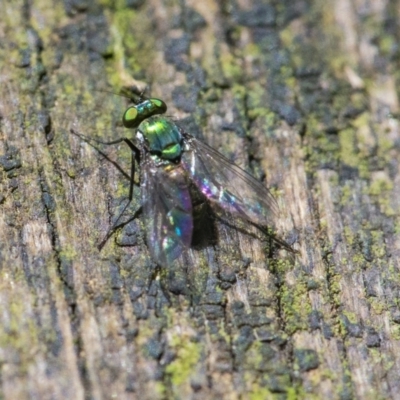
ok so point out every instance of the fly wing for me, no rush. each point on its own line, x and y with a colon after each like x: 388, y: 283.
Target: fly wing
x: 167, y: 211
x: 226, y: 184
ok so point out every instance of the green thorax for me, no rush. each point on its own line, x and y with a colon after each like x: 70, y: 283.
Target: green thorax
x: 162, y: 137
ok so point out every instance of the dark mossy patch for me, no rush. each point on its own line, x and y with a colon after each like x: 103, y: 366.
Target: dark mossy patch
x: 176, y: 51
x: 306, y: 359
x: 135, y: 4
x: 185, y: 98
x: 260, y: 15
x: 190, y: 20
x: 353, y: 329
x: 315, y: 320
x: 10, y: 160
x: 373, y: 339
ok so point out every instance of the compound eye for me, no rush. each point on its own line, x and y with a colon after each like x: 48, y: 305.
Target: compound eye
x: 130, y: 117
x: 162, y: 107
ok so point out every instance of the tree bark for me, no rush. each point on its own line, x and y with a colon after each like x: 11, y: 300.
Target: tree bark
x: 303, y: 95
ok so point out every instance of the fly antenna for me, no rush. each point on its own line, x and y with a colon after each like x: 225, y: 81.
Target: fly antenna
x: 141, y: 95
x: 135, y: 94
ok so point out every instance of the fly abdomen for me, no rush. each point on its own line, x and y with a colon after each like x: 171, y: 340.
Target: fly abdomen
x: 172, y: 151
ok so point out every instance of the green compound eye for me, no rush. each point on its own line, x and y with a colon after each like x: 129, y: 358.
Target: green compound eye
x: 160, y: 105
x: 130, y: 117
x: 136, y: 114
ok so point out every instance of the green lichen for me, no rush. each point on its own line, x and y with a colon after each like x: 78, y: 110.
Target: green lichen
x: 357, y: 259
x: 385, y: 146
x: 335, y: 291
x: 251, y: 50
x: 378, y: 248
x: 348, y: 154
x: 230, y: 67
x: 68, y: 253
x: 296, y: 394
x: 382, y: 188
x: 281, y: 266
x: 260, y: 393
x: 160, y: 389
x: 346, y: 194
x: 377, y: 306
x: 261, y: 357
x: 133, y: 53
x: 187, y: 357
x: 352, y: 317
x: 20, y: 335
x: 351, y: 239
x: 296, y: 306
x: 395, y: 331
x: 397, y: 227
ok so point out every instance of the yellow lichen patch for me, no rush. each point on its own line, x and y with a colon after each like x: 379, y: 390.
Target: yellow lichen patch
x: 186, y: 360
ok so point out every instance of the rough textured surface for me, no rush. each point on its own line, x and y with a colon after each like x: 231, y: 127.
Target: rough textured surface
x: 302, y: 94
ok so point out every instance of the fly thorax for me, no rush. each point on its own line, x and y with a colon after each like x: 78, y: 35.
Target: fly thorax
x: 162, y: 137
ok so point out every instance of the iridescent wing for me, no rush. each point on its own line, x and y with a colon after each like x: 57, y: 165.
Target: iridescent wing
x: 167, y: 211
x: 227, y: 185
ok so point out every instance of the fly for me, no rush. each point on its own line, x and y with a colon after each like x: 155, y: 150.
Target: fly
x: 170, y: 162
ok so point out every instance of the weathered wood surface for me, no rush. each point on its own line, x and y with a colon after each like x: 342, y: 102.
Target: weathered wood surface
x: 303, y: 93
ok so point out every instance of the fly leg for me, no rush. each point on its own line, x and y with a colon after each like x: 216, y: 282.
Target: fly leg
x: 135, y: 156
x: 90, y: 141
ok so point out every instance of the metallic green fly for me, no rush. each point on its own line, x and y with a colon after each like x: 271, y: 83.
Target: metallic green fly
x: 173, y: 164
